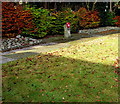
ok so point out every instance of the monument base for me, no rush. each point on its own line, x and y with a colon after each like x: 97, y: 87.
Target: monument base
x: 67, y: 33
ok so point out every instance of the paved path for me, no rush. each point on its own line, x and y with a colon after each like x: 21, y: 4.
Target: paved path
x: 33, y: 50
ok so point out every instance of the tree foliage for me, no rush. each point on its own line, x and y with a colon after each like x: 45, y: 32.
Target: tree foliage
x: 61, y: 18
x: 117, y: 18
x: 15, y: 19
x: 87, y: 18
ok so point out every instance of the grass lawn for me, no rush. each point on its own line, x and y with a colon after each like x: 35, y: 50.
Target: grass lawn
x: 82, y: 72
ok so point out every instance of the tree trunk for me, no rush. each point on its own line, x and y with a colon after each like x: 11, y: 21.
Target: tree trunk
x: 87, y: 5
x: 93, y: 7
x: 110, y: 6
x: 55, y: 5
x: 45, y: 5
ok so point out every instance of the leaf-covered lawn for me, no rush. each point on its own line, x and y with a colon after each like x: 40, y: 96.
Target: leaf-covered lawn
x: 81, y: 73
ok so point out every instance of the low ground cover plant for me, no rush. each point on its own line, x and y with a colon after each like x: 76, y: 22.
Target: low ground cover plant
x: 82, y: 72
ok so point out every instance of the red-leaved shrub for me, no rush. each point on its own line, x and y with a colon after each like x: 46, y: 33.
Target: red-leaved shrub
x: 118, y: 20
x: 15, y: 19
x: 88, y: 19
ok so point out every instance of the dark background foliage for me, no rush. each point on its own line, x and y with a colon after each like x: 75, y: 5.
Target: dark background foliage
x: 38, y: 19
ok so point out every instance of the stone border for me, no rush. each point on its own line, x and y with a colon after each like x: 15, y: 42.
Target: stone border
x: 18, y: 42
x: 97, y: 30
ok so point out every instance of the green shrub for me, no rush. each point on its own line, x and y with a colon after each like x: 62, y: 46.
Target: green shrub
x: 60, y: 19
x: 107, y: 18
x: 42, y: 21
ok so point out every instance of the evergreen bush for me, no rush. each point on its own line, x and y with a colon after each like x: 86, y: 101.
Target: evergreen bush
x: 60, y: 19
x: 107, y: 18
x: 42, y: 20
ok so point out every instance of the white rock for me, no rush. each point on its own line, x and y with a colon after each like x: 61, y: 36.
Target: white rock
x: 8, y: 47
x: 40, y: 40
x: 18, y: 36
x: 35, y: 41
x: 32, y: 39
x: 26, y: 39
x: 30, y: 42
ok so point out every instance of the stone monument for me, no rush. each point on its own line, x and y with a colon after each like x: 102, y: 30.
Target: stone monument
x: 67, y: 33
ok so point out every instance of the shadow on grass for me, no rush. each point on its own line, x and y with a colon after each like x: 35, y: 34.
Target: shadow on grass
x: 20, y: 55
x: 52, y: 78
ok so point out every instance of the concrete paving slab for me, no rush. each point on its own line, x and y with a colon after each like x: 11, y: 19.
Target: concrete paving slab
x: 32, y: 50
x: 6, y: 59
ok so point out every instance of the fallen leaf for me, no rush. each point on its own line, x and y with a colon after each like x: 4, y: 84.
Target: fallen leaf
x: 98, y: 100
x: 117, y: 63
x: 116, y: 80
x: 62, y: 79
x: 77, y: 95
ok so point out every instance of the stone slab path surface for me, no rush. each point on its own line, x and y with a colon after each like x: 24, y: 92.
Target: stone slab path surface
x: 32, y: 50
